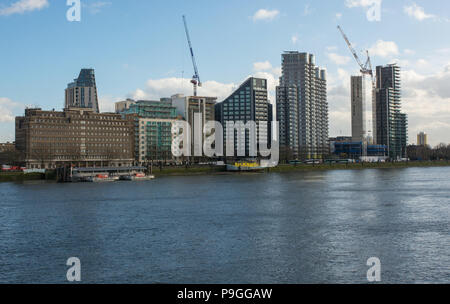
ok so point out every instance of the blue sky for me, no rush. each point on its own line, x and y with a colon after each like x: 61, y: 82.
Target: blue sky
x: 138, y: 49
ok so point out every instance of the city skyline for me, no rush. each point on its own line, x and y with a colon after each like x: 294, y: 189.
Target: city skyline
x: 127, y: 55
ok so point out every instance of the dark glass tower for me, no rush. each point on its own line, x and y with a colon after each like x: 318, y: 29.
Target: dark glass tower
x: 248, y: 103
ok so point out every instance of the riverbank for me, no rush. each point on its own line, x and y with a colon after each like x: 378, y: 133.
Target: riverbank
x: 359, y: 166
x: 181, y: 171
x: 210, y: 170
x: 20, y: 176
x: 300, y: 167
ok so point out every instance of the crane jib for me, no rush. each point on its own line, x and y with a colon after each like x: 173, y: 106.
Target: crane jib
x: 196, y: 78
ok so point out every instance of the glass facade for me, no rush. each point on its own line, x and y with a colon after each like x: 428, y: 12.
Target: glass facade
x: 302, y: 108
x: 390, y: 124
x: 248, y: 103
x: 153, y: 129
x: 82, y: 93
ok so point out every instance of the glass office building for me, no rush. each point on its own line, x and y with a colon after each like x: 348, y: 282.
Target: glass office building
x: 248, y: 103
x: 153, y: 129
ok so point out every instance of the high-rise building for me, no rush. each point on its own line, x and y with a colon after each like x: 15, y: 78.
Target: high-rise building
x: 287, y: 116
x: 358, y: 110
x: 187, y: 108
x: 422, y: 139
x: 76, y: 136
x: 303, y: 91
x: 82, y: 92
x: 153, y: 127
x: 390, y: 124
x: 248, y: 103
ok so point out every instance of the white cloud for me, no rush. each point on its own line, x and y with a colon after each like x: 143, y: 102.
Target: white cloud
x: 307, y: 11
x: 264, y: 14
x: 267, y: 71
x: 426, y: 100
x: 338, y: 95
x: 417, y: 12
x: 401, y: 62
x: 384, y: 49
x: 435, y: 84
x: 95, y: 7
x: 409, y: 52
x: 338, y: 59
x: 277, y: 72
x: 360, y: 3
x: 445, y: 51
x: 331, y: 48
x: 338, y: 16
x: 422, y: 63
x: 166, y: 87
x: 262, y: 66
x: 23, y: 6
x: 9, y: 109
x: 107, y: 103
x: 294, y: 39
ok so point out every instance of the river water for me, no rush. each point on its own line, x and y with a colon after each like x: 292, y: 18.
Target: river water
x: 303, y: 227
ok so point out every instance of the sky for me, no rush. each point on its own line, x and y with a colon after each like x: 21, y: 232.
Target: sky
x: 138, y: 49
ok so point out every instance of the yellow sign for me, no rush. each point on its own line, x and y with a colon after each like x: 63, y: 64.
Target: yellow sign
x: 246, y: 165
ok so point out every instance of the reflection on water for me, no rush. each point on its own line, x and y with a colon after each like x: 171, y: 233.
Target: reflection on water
x: 305, y: 227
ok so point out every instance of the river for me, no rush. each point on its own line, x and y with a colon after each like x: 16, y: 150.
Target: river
x: 299, y: 227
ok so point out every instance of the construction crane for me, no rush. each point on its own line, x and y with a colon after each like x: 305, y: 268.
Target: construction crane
x: 366, y: 69
x: 196, y: 78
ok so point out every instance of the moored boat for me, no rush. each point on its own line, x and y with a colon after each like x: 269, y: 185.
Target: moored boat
x: 137, y: 177
x: 104, y: 178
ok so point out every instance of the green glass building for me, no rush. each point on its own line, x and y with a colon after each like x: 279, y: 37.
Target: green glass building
x: 153, y: 129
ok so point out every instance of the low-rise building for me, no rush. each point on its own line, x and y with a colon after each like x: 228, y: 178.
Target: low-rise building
x: 75, y: 136
x: 124, y: 105
x: 354, y: 150
x: 7, y: 147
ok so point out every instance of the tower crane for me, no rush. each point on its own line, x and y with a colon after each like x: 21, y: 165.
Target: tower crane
x: 196, y: 78
x: 366, y: 69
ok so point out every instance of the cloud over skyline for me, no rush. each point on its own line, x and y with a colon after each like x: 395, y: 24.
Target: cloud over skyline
x: 417, y: 12
x: 23, y: 6
x: 264, y: 14
x: 384, y: 49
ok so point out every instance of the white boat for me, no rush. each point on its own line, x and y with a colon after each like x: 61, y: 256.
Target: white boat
x: 137, y: 177
x: 100, y: 178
